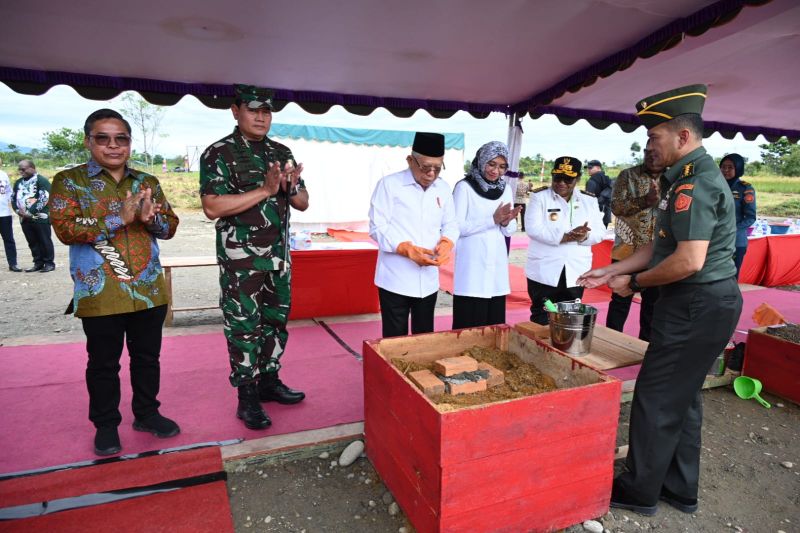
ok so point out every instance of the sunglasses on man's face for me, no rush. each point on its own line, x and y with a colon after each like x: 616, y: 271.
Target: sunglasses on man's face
x: 101, y: 139
x: 565, y: 179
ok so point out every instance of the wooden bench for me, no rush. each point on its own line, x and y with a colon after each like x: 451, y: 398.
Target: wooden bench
x: 168, y: 263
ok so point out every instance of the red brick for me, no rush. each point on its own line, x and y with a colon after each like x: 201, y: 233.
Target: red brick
x: 427, y: 382
x: 496, y: 376
x: 466, y: 388
x: 533, y: 330
x: 450, y: 366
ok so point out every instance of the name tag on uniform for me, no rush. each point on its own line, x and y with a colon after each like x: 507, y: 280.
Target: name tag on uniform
x: 554, y: 214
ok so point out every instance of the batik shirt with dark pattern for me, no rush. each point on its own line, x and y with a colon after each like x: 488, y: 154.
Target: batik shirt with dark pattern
x: 115, y: 267
x: 253, y: 239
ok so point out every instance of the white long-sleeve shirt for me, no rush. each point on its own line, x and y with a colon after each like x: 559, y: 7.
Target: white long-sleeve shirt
x: 401, y: 210
x: 481, y: 259
x: 547, y: 218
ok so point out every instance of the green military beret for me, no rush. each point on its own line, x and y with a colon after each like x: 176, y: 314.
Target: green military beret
x: 254, y: 97
x: 665, y: 106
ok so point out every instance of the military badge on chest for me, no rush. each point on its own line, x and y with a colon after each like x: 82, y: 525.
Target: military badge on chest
x: 553, y: 214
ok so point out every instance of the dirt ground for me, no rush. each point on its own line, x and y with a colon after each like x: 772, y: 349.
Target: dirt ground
x: 750, y: 472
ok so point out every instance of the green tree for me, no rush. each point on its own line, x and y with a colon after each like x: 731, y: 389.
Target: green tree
x: 772, y: 154
x: 65, y: 144
x: 145, y: 119
x: 791, y: 162
x: 636, y: 152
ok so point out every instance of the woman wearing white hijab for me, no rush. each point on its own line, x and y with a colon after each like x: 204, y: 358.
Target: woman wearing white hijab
x: 485, y: 217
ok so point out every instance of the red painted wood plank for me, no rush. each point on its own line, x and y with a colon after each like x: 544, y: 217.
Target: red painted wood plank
x: 568, y: 466
x: 469, y: 434
x: 410, y: 450
x: 545, y: 511
x: 775, y: 362
x: 418, y: 510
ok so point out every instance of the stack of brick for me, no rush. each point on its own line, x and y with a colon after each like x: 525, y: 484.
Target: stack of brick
x: 457, y: 375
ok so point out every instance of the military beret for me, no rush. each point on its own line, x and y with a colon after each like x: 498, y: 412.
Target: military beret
x: 254, y: 97
x: 428, y: 144
x: 594, y: 163
x: 665, y: 106
x: 568, y: 166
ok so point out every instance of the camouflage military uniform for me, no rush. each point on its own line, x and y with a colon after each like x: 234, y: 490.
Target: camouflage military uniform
x: 255, y: 297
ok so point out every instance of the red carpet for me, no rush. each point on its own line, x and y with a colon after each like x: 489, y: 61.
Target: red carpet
x: 201, y: 507
x: 45, y: 406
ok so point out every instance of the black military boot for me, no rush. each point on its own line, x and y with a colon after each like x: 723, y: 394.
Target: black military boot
x: 249, y: 410
x: 272, y: 389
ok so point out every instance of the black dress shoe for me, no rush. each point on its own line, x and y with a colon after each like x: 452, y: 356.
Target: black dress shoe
x: 249, y: 409
x: 622, y: 499
x: 272, y: 389
x: 160, y: 426
x: 48, y: 268
x: 34, y: 268
x: 685, y: 505
x: 14, y: 268
x: 106, y: 441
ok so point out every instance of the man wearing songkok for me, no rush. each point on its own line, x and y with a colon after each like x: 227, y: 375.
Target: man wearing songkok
x: 413, y: 220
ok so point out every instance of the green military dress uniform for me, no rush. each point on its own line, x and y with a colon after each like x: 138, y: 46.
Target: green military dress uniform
x: 693, y: 320
x: 255, y: 297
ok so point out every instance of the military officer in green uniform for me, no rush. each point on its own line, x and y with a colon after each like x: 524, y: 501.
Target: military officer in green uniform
x: 691, y: 261
x: 247, y: 183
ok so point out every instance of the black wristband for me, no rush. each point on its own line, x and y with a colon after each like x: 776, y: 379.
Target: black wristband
x: 633, y: 284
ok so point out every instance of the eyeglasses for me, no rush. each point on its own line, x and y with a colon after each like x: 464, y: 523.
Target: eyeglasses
x: 427, y: 169
x: 101, y: 139
x: 565, y: 179
x: 492, y: 165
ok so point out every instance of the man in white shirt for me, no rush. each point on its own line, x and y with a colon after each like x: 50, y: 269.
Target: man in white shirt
x: 412, y: 218
x: 6, y: 219
x: 562, y: 224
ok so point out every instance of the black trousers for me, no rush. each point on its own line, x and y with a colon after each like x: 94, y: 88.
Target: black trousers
x: 40, y: 241
x: 539, y: 292
x: 395, y: 309
x: 691, y: 326
x: 7, y: 231
x: 738, y: 258
x: 141, y: 332
x: 472, y: 312
x: 620, y: 306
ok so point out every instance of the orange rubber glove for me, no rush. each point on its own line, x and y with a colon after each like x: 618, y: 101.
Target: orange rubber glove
x: 418, y: 254
x: 443, y: 251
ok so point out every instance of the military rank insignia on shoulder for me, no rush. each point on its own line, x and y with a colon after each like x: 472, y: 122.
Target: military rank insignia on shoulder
x: 745, y: 183
x: 540, y: 189
x: 688, y: 170
x: 587, y: 193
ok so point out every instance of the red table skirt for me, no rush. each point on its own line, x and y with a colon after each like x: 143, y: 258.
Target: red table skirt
x: 770, y: 261
x: 333, y: 282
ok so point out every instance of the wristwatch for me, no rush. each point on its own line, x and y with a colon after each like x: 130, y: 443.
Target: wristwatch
x: 633, y: 284
x: 294, y: 190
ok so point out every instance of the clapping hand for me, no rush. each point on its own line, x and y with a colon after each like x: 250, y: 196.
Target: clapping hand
x: 505, y: 214
x: 149, y: 208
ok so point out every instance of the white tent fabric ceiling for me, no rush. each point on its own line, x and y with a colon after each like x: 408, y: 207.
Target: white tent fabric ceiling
x: 442, y: 56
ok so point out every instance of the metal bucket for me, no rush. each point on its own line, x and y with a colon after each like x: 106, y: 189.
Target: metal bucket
x: 572, y: 327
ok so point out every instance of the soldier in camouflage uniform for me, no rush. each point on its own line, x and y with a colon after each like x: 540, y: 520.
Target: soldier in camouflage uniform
x: 247, y: 183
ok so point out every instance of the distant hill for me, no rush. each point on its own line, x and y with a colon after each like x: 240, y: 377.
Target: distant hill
x: 23, y: 149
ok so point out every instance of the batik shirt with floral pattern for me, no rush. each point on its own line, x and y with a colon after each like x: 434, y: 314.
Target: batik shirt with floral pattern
x: 114, y: 266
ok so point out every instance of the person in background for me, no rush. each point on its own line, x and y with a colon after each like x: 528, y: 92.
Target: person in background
x: 30, y: 197
x: 521, y: 197
x: 485, y: 217
x: 111, y: 216
x: 691, y: 261
x: 412, y: 218
x: 562, y: 225
x: 600, y: 186
x: 248, y: 182
x: 744, y: 199
x: 633, y: 202
x: 6, y: 221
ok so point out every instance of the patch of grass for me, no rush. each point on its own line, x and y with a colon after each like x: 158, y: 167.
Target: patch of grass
x: 787, y: 208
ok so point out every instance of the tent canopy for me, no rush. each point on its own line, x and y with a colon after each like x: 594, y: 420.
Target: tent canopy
x: 587, y: 59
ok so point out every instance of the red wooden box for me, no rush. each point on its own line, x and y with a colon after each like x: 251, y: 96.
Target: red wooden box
x: 538, y: 463
x: 775, y: 362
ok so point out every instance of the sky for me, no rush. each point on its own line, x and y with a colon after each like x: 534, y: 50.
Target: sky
x: 24, y: 120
